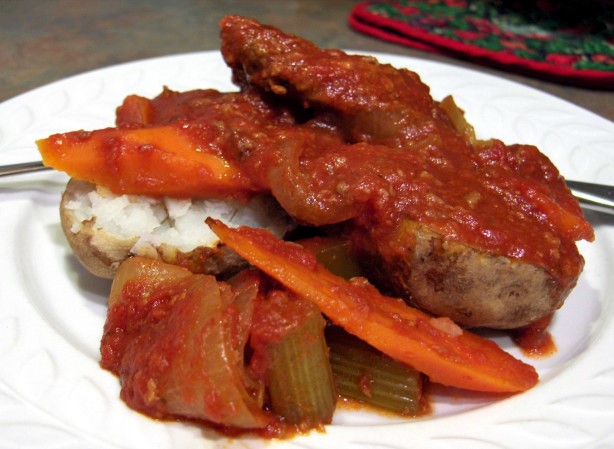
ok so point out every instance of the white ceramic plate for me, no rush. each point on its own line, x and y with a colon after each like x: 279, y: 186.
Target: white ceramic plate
x: 54, y: 394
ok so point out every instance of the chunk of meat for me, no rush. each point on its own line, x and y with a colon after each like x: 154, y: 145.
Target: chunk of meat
x: 371, y: 101
x: 407, y: 162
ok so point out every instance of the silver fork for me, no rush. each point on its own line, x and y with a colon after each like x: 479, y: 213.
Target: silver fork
x: 27, y: 167
x: 597, y: 197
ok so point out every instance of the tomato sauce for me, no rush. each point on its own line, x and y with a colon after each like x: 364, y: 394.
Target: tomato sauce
x: 534, y: 340
x: 507, y: 200
x: 459, y: 192
x: 337, y: 138
x: 376, y: 167
x: 400, y: 155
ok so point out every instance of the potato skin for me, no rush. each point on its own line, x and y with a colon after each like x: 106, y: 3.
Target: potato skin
x: 472, y: 287
x: 101, y: 252
x: 98, y: 251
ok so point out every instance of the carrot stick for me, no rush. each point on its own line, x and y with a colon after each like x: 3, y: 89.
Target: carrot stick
x: 437, y: 347
x: 159, y: 160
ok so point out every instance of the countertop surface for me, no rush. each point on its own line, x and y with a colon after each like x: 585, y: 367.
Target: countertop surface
x: 44, y: 41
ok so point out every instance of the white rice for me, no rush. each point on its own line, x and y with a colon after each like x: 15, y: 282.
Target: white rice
x: 178, y: 223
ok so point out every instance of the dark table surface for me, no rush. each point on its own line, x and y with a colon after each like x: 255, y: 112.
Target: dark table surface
x: 43, y: 41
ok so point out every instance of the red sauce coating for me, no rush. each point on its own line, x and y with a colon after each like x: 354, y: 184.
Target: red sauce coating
x: 400, y: 158
x: 400, y: 155
x: 534, y: 340
x: 337, y: 137
x: 508, y: 200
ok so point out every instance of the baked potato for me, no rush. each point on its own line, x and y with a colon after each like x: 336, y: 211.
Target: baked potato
x: 103, y: 229
x: 472, y: 287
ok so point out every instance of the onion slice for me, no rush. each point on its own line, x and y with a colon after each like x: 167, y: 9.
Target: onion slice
x: 172, y: 339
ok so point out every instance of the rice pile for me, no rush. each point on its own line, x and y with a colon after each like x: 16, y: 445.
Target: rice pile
x: 175, y: 222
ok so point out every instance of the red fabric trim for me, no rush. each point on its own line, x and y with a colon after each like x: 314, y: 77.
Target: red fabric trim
x: 362, y: 20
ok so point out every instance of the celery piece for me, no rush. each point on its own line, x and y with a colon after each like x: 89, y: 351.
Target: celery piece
x: 300, y: 379
x: 365, y: 374
x: 335, y: 254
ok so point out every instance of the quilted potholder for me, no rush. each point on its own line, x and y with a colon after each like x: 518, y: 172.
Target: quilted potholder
x: 568, y: 41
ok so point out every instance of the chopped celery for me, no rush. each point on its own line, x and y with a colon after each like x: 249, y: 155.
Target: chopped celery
x: 299, y: 376
x: 363, y: 373
x: 335, y: 254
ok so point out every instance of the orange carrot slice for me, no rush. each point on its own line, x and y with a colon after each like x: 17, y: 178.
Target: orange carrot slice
x: 160, y: 160
x: 437, y: 347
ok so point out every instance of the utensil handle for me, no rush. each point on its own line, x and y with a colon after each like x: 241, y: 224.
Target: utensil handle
x: 597, y: 197
x: 15, y: 169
